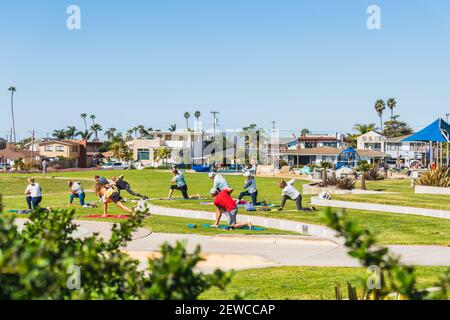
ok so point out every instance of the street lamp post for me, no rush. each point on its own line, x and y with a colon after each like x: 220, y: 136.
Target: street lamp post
x: 12, y: 90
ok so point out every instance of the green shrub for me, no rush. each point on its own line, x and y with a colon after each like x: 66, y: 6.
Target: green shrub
x: 439, y: 177
x: 38, y: 263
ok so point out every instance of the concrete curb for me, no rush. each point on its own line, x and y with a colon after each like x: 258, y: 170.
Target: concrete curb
x: 441, y: 214
x: 318, y: 231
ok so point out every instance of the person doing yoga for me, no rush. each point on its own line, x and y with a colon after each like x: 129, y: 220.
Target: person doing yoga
x: 110, y: 195
x: 250, y: 186
x: 225, y: 204
x: 290, y: 193
x: 124, y: 185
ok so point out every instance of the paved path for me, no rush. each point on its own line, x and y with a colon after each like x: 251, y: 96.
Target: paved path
x: 442, y: 214
x: 243, y: 252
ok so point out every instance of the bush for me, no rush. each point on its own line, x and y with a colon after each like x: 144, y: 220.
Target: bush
x: 373, y: 175
x: 40, y: 262
x: 439, y: 177
x: 344, y: 183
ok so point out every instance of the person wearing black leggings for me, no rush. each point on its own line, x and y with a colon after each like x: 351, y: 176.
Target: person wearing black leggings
x: 123, y: 185
x: 290, y: 193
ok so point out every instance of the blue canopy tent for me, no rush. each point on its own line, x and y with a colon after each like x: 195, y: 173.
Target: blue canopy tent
x: 436, y: 133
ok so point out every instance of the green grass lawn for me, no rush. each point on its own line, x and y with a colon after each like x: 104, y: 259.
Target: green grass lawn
x: 390, y: 228
x: 304, y: 283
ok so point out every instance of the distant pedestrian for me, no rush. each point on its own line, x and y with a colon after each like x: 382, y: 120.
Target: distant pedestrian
x: 44, y: 168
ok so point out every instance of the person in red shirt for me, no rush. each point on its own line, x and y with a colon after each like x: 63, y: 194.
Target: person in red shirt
x: 225, y: 204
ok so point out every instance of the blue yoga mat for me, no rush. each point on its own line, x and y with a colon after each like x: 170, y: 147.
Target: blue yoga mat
x: 225, y: 227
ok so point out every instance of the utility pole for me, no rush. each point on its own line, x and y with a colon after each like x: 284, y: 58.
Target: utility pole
x: 215, y: 113
x: 32, y: 148
x: 13, y: 89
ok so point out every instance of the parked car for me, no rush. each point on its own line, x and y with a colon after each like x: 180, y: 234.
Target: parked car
x: 5, y: 166
x: 116, y: 166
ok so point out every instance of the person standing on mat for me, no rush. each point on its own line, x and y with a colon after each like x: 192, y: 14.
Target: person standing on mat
x: 250, y: 186
x: 110, y: 195
x: 225, y: 204
x: 290, y: 193
x: 220, y: 184
x: 76, y: 191
x: 123, y: 185
x: 179, y: 183
x: 33, y: 194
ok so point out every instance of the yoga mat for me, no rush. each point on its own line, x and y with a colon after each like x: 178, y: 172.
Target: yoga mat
x: 110, y: 216
x: 19, y: 211
x: 225, y: 227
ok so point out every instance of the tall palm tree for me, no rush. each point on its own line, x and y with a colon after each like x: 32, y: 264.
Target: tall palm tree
x: 142, y: 131
x: 363, y: 167
x: 391, y: 104
x: 197, y: 116
x: 187, y: 115
x: 364, y: 128
x: 92, y: 116
x: 305, y: 132
x: 96, y: 128
x: 12, y: 90
x: 71, y: 132
x: 380, y: 106
x: 84, y: 116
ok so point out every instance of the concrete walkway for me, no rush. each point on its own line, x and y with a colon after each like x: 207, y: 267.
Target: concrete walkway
x: 242, y: 252
x: 442, y: 214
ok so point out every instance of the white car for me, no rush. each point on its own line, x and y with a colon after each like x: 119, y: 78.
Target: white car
x: 116, y: 166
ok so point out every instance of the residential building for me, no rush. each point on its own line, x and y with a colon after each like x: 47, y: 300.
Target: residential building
x: 61, y: 150
x: 395, y: 147
x: 12, y: 153
x: 186, y: 147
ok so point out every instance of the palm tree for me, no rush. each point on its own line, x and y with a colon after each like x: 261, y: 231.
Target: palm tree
x: 142, y: 131
x: 71, y: 132
x: 163, y: 154
x: 92, y: 116
x: 197, y: 116
x: 59, y: 134
x: 84, y: 116
x: 363, y: 167
x: 187, y: 115
x: 364, y: 128
x: 135, y: 131
x: 380, y: 105
x: 110, y: 133
x: 305, y: 132
x: 325, y: 165
x: 12, y: 90
x: 96, y: 128
x: 391, y: 104
x: 173, y: 127
x: 85, y: 135
x: 129, y: 135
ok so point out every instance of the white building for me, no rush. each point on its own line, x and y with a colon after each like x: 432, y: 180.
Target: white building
x: 185, y: 146
x: 394, y: 147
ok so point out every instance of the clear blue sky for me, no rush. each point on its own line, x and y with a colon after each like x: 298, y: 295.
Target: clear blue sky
x: 302, y: 63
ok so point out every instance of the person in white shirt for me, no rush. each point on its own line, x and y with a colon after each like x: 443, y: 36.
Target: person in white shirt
x: 33, y: 194
x: 290, y: 193
x: 220, y: 184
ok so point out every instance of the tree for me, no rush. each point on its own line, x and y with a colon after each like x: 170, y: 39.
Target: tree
x: 13, y: 90
x: 380, y: 106
x: 92, y: 116
x: 142, y: 131
x: 173, y: 127
x: 391, y: 104
x: 84, y: 135
x: 121, y: 150
x: 162, y: 154
x: 396, y: 128
x: 110, y: 133
x: 60, y: 134
x: 39, y: 261
x: 305, y: 132
x: 363, y: 167
x: 187, y: 115
x: 325, y: 165
x: 197, y: 116
x: 71, y: 132
x: 364, y: 128
x: 96, y: 128
x: 84, y: 116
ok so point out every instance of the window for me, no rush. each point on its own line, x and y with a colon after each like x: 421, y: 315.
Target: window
x: 48, y: 148
x: 393, y: 146
x: 74, y: 149
x: 59, y: 148
x: 143, y: 154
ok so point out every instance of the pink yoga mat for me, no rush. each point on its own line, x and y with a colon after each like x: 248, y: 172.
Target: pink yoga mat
x: 110, y: 216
